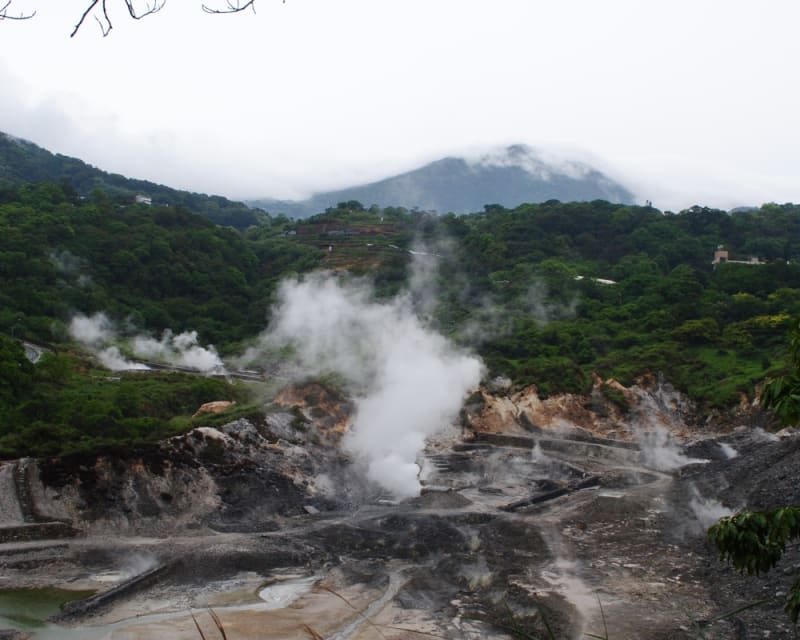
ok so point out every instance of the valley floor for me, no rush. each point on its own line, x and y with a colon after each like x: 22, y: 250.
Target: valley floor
x: 504, y: 541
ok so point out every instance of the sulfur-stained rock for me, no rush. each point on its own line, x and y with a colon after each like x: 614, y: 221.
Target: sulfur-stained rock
x: 217, y: 406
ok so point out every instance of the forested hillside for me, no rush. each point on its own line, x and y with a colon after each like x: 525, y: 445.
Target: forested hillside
x: 158, y: 267
x: 552, y: 293
x: 548, y: 294
x: 24, y: 162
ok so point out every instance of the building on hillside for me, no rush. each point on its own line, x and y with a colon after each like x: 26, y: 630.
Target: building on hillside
x: 140, y: 199
x: 721, y: 256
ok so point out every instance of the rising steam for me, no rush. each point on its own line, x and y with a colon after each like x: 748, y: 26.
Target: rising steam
x: 705, y: 511
x: 98, y: 333
x: 408, y: 381
x: 661, y: 451
x: 181, y: 350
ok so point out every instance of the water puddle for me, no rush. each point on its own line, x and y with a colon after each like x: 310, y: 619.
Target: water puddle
x: 30, y: 608
x: 282, y: 593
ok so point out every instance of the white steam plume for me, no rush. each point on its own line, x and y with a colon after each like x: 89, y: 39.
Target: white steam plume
x: 661, y: 451
x: 706, y: 511
x: 69, y: 265
x: 409, y: 381
x: 180, y: 350
x: 93, y: 331
x: 728, y: 451
x: 111, y: 358
x: 99, y: 334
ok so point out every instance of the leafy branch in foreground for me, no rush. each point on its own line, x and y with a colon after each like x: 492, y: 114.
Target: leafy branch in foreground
x: 754, y: 542
x: 782, y: 394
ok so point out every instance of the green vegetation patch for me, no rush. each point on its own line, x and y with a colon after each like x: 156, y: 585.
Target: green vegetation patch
x: 547, y: 294
x: 60, y: 406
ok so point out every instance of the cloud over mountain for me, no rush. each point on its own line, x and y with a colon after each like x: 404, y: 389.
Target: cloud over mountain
x: 508, y: 176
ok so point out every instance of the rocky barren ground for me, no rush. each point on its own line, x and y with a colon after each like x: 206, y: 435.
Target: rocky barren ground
x: 587, y: 514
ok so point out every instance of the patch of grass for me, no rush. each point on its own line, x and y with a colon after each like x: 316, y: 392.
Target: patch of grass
x: 69, y: 408
x: 719, y: 377
x: 615, y: 397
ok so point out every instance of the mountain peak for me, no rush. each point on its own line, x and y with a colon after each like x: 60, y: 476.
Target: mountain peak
x: 536, y: 162
x: 508, y: 176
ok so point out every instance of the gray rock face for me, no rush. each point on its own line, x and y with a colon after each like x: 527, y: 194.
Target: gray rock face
x: 244, y: 431
x: 280, y: 425
x: 245, y: 476
x: 10, y: 510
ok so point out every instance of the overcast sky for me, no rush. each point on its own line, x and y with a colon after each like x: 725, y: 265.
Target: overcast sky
x: 685, y: 101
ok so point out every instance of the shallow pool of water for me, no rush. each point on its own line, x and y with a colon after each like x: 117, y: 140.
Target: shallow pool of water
x: 30, y: 608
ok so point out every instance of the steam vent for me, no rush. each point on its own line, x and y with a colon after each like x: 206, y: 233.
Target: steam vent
x: 571, y: 513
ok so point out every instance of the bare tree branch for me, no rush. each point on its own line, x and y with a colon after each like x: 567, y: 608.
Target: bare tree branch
x: 105, y: 22
x: 83, y: 17
x: 22, y: 16
x: 105, y: 29
x: 233, y: 7
x: 150, y: 8
x: 145, y: 8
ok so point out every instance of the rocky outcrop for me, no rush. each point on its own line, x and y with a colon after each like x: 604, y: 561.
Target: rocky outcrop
x: 20, y: 519
x: 218, y: 406
x: 250, y: 474
x: 244, y: 476
x: 324, y: 409
x: 610, y: 411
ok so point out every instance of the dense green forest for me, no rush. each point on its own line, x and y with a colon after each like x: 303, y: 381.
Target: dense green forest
x: 157, y: 267
x: 64, y: 404
x: 23, y: 162
x: 547, y: 293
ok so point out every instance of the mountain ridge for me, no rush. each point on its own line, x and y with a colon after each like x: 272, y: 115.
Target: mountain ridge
x: 23, y: 161
x: 509, y: 177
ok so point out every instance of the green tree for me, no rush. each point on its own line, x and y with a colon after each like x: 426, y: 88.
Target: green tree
x: 782, y: 394
x: 702, y: 331
x: 754, y: 541
x: 16, y: 371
